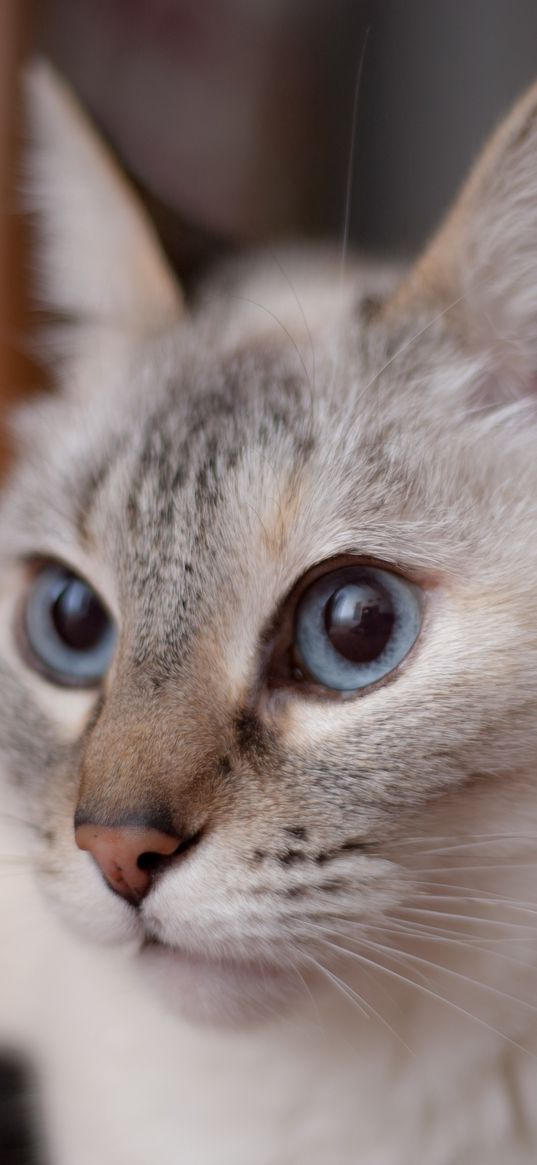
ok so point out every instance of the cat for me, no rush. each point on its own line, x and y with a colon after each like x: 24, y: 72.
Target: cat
x: 268, y: 680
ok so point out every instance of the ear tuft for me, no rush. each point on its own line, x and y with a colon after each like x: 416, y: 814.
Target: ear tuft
x: 99, y: 260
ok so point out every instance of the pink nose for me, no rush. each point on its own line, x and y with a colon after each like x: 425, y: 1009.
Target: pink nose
x: 127, y: 856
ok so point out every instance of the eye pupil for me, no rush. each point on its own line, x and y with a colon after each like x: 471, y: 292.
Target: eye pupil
x: 359, y: 621
x: 65, y: 631
x: 355, y: 625
x: 78, y: 616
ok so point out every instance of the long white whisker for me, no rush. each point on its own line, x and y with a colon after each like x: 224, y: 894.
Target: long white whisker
x: 352, y: 151
x: 478, y: 839
x: 348, y: 198
x: 432, y: 994
x: 415, y: 929
x: 261, y: 306
x: 447, y: 940
x: 307, y: 989
x: 344, y: 987
x: 412, y: 340
x: 364, y: 927
x: 452, y: 973
x: 477, y: 866
x: 424, y: 933
x: 466, y: 917
x: 427, y: 890
x: 468, y: 894
x: 421, y: 929
x: 358, y: 1000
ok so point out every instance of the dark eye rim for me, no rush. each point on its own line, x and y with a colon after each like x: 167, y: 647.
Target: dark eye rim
x: 284, y: 672
x: 33, y: 567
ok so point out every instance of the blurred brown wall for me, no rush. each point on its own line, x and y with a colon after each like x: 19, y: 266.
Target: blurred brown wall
x: 11, y: 26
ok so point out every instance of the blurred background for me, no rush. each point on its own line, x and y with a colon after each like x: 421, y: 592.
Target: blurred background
x: 234, y: 117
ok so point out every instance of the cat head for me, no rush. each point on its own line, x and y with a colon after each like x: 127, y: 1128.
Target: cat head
x: 268, y: 570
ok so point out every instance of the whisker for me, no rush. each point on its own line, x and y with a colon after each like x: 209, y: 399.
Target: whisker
x: 500, y: 866
x: 467, y: 942
x: 364, y: 928
x: 415, y: 929
x: 477, y: 840
x: 259, y: 518
x: 468, y: 893
x: 425, y: 933
x: 452, y: 973
x: 17, y: 819
x: 467, y: 918
x: 433, y: 995
x: 358, y: 1000
x: 294, y: 293
x: 307, y: 990
x: 424, y: 929
x: 412, y: 340
x: 344, y: 987
x: 352, y: 152
x: 348, y: 196
x: 435, y: 891
x: 246, y: 299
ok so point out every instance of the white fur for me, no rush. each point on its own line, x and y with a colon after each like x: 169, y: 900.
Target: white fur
x: 125, y: 1082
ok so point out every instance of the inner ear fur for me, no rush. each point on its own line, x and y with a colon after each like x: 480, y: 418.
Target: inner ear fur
x: 98, y: 257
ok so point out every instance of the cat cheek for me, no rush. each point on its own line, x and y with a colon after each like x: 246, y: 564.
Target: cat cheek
x: 65, y: 712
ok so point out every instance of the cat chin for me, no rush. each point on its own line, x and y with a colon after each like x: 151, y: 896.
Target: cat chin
x: 222, y: 994
x: 111, y: 923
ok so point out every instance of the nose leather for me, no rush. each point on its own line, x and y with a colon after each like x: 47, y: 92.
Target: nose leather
x: 127, y: 856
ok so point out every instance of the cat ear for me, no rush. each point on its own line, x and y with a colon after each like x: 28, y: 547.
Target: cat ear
x: 484, y: 259
x: 98, y: 257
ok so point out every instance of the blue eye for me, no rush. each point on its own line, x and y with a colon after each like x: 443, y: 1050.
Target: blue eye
x: 354, y: 625
x: 68, y: 631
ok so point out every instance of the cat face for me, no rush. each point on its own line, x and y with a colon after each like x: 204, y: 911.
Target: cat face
x: 305, y: 621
